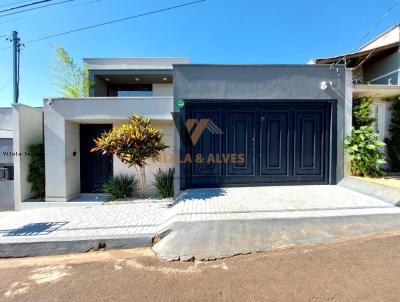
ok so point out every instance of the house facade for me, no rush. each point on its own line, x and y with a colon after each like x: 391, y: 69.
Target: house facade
x: 286, y: 123
x: 225, y: 125
x: 376, y: 74
x: 122, y: 87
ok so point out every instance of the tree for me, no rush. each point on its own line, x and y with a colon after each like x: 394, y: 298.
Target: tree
x: 393, y: 142
x: 70, y: 78
x: 133, y: 143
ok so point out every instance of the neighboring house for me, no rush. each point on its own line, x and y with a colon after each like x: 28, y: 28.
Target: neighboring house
x: 376, y: 73
x: 250, y: 124
x: 6, y: 159
x: 6, y: 144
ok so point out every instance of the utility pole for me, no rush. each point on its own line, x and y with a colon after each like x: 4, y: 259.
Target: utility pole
x: 16, y: 55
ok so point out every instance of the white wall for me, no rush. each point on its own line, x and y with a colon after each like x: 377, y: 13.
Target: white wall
x: 72, y: 163
x: 61, y: 129
x: 348, y: 116
x: 110, y: 108
x: 28, y: 130
x: 166, y: 162
x: 62, y: 167
x: 133, y: 63
x: 7, y: 196
x: 6, y: 122
x: 54, y: 151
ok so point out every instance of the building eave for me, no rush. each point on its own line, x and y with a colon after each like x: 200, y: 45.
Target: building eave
x: 350, y: 55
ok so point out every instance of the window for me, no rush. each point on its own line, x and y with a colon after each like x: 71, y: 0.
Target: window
x: 6, y: 172
x: 131, y: 90
x: 378, y: 112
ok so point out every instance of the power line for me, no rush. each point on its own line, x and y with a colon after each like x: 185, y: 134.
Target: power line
x: 380, y: 20
x: 395, y: 3
x: 111, y: 22
x: 5, y: 84
x: 25, y: 5
x: 50, y: 11
x: 35, y: 8
x: 14, y: 3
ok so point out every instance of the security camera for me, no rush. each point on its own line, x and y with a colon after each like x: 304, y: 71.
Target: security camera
x: 323, y: 85
x: 49, y: 103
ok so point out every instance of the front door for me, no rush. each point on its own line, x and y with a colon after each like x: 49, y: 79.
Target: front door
x: 96, y: 168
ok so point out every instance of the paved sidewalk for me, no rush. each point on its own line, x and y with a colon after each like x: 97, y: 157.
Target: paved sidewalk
x: 276, y: 202
x: 80, y: 227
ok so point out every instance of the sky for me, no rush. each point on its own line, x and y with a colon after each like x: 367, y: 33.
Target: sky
x: 214, y: 31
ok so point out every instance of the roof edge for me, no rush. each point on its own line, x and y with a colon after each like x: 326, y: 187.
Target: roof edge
x: 380, y: 35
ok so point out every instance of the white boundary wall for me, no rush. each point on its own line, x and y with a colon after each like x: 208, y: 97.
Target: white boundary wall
x: 27, y: 129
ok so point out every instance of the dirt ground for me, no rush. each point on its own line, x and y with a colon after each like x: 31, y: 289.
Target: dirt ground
x: 366, y: 269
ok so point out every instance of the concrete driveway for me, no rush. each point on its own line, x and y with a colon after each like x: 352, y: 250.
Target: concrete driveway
x: 220, y: 222
x: 276, y: 202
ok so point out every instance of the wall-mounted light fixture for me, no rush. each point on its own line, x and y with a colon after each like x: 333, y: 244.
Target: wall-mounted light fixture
x: 323, y: 85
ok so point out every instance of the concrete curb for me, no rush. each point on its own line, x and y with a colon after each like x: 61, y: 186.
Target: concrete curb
x: 212, y: 240
x: 383, y: 192
x: 56, y: 246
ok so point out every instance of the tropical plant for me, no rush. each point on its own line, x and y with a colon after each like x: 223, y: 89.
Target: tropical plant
x: 133, y: 143
x: 120, y: 187
x: 393, y: 142
x: 36, y: 169
x: 70, y: 78
x: 364, y: 149
x: 362, y: 112
x: 363, y: 146
x: 164, y: 182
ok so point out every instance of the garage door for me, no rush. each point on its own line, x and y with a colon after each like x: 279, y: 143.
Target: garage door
x: 258, y: 143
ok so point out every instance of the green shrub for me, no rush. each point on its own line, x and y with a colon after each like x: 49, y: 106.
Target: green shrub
x: 36, y: 170
x: 362, y: 112
x: 122, y: 186
x: 366, y: 156
x: 363, y: 145
x: 393, y: 142
x: 164, y: 182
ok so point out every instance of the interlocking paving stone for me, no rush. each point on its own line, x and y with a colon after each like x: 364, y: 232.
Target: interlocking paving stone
x: 231, y: 205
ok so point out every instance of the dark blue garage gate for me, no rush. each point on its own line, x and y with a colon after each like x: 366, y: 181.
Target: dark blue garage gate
x: 261, y: 143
